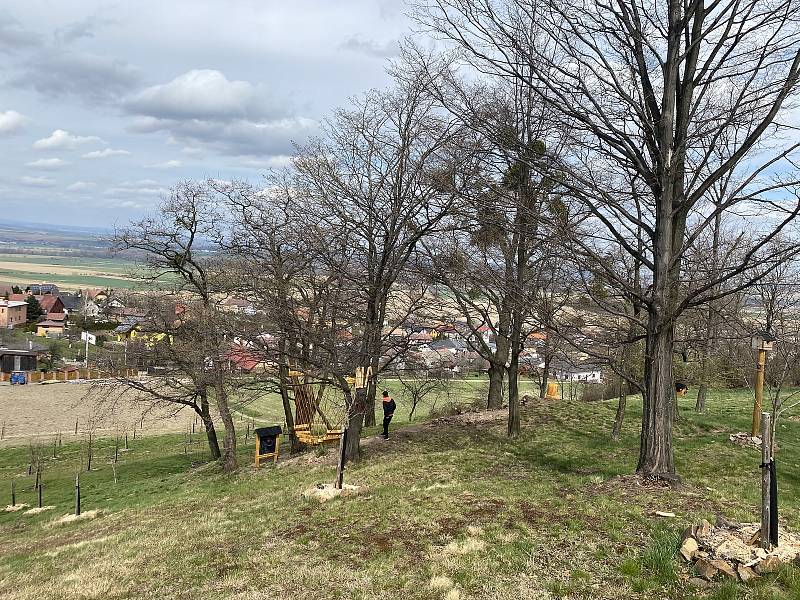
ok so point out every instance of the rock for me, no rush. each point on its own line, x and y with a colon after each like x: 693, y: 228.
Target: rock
x: 727, y: 523
x: 688, y: 549
x: 662, y: 513
x: 698, y: 583
x: 746, y: 573
x: 725, y: 569
x: 705, y: 569
x: 769, y: 565
x: 755, y: 539
x: 689, y: 532
x: 703, y: 529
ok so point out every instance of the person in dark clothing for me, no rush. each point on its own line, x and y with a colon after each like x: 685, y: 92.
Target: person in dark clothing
x: 388, y: 412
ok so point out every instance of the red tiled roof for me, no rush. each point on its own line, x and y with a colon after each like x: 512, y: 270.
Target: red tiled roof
x: 56, y: 316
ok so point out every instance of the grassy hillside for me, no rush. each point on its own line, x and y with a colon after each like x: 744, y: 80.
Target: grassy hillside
x: 453, y: 510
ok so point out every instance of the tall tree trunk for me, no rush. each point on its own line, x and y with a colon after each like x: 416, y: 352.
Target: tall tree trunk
x: 355, y: 424
x: 229, y: 460
x: 208, y: 423
x: 548, y: 358
x: 700, y: 405
x: 295, y: 445
x: 656, y: 454
x: 513, y: 396
x: 496, y: 372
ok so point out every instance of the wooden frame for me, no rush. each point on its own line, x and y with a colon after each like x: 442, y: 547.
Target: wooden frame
x: 272, y: 455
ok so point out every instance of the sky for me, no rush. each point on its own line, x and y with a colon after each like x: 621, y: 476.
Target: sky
x: 105, y: 105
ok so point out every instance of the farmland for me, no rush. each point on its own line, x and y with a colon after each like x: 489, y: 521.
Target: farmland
x: 69, y: 272
x: 552, y: 514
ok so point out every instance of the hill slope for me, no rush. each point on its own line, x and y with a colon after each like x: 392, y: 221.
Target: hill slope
x: 452, y: 509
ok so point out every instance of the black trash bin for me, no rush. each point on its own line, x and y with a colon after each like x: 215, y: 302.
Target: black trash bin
x: 268, y: 443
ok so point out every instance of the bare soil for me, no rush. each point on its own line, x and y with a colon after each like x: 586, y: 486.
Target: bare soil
x: 36, y: 411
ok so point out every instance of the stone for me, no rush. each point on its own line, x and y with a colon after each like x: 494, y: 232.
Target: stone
x: 688, y: 549
x: 689, y: 532
x: 746, y: 573
x: 703, y: 529
x: 755, y: 539
x: 697, y: 582
x: 725, y: 569
x: 663, y: 513
x: 705, y: 569
x: 769, y: 565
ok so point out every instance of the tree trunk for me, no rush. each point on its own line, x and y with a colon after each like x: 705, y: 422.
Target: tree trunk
x: 656, y: 457
x: 700, y: 406
x: 545, y: 376
x: 355, y: 424
x: 295, y: 445
x: 513, y: 397
x: 495, y: 386
x: 229, y: 460
x: 208, y: 423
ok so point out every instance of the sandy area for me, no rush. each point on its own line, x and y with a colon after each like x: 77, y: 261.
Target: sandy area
x: 43, y: 411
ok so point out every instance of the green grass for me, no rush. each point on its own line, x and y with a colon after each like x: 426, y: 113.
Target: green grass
x: 455, y: 510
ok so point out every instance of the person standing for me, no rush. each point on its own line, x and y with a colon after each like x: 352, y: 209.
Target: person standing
x: 388, y: 412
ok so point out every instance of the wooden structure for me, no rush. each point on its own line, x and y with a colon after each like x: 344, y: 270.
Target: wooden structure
x: 319, y: 416
x: 268, y: 444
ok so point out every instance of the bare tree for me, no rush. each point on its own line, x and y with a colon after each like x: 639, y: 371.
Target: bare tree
x: 178, y: 244
x: 647, y: 92
x: 383, y: 178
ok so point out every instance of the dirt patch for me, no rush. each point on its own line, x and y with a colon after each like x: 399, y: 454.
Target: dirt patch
x: 324, y: 492
x: 36, y: 411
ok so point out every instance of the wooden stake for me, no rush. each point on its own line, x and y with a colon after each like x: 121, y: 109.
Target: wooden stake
x: 3, y: 431
x: 76, y: 426
x: 341, y: 464
x: 766, y: 456
x: 54, y: 448
x: 40, y: 494
x: 13, y: 493
x: 78, y: 495
x: 126, y: 440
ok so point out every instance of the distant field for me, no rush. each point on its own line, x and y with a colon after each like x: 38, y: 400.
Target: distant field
x: 68, y: 272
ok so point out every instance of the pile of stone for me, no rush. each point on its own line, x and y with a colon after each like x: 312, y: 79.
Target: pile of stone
x: 745, y: 439
x: 733, y: 550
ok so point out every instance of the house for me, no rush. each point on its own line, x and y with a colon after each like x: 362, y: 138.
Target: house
x: 585, y: 372
x: 13, y: 313
x: 41, y: 289
x: 72, y: 302
x: 17, y: 360
x: 454, y: 347
x: 243, y: 359
x: 48, y: 328
x: 50, y: 303
x: 127, y: 329
x: 240, y: 306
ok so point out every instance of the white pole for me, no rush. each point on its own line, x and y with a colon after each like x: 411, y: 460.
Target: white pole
x: 86, y: 356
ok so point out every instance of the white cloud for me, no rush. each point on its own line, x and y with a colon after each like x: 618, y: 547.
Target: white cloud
x: 61, y: 139
x: 49, y: 164
x: 106, y: 153
x: 142, y: 187
x: 11, y: 121
x: 201, y: 94
x: 81, y: 186
x: 273, y: 162
x: 169, y: 164
x: 37, y: 181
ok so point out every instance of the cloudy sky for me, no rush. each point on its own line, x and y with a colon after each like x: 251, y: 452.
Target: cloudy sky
x: 104, y: 105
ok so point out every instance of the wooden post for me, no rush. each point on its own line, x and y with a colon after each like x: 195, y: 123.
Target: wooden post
x: 3, y: 431
x: 40, y: 494
x: 258, y: 452
x: 766, y: 457
x: 116, y: 449
x: 341, y: 463
x: 13, y: 492
x: 78, y: 495
x: 759, y: 391
x: 126, y: 439
x: 54, y: 448
x: 76, y: 426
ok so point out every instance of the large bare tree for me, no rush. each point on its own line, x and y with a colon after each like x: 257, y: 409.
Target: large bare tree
x: 648, y: 90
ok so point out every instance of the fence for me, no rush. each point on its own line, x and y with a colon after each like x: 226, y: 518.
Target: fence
x: 72, y: 375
